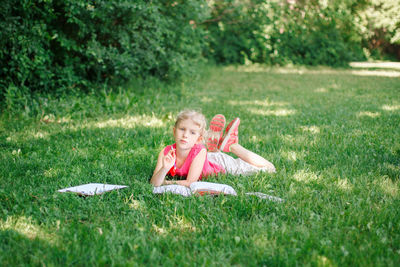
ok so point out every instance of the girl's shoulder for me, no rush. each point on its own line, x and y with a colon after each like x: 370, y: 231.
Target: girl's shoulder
x: 199, y: 146
x: 196, y: 149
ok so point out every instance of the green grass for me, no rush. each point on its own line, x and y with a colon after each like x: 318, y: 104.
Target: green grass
x: 333, y: 136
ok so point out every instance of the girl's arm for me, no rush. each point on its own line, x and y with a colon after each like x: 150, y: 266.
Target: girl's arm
x: 164, y: 164
x: 194, y: 171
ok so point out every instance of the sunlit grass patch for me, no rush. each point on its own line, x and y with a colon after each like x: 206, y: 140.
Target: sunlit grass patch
x: 278, y: 112
x: 344, y: 184
x: 129, y: 122
x: 159, y: 230
x: 321, y: 90
x: 293, y: 155
x: 323, y: 261
x: 51, y: 173
x: 391, y: 107
x: 311, y: 129
x: 306, y: 176
x: 265, y: 103
x: 181, y: 224
x: 135, y: 204
x: 264, y: 241
x: 40, y: 135
x: 368, y: 114
x: 381, y: 73
x: 383, y: 69
x: 26, y: 227
x: 259, y: 68
x: 33, y: 134
x: 379, y: 65
x: 388, y: 186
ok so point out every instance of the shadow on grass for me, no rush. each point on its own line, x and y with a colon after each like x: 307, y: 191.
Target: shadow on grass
x: 18, y: 249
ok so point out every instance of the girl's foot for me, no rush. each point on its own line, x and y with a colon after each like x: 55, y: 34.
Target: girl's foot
x: 214, y: 135
x: 230, y: 136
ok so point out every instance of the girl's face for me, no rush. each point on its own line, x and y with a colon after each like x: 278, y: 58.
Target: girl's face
x: 187, y: 134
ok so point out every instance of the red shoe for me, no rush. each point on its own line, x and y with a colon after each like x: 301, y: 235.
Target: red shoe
x: 230, y: 136
x: 214, y: 135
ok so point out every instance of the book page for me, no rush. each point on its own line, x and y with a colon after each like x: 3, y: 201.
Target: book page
x: 173, y: 188
x: 212, y: 188
x: 91, y: 189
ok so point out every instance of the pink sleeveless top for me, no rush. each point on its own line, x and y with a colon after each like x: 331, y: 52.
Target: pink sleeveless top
x: 209, y: 168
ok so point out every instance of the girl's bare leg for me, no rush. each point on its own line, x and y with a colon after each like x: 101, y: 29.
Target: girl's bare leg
x: 251, y: 157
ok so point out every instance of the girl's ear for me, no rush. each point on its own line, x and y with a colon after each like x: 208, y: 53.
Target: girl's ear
x: 200, y: 139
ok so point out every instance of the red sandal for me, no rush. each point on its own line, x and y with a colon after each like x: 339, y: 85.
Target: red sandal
x: 230, y: 136
x: 215, y: 132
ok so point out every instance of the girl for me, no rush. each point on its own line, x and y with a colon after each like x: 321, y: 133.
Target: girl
x: 188, y: 157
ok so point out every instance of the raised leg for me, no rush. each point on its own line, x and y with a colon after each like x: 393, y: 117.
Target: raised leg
x: 251, y: 157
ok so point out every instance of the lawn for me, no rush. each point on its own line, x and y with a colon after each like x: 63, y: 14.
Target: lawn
x: 333, y: 135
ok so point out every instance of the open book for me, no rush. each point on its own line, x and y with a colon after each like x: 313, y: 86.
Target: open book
x: 201, y: 188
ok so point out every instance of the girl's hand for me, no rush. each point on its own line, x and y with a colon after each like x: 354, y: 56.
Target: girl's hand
x: 169, y: 159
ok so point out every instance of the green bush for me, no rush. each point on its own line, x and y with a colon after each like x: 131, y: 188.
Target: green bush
x: 299, y: 32
x: 315, y: 34
x: 379, y: 25
x: 56, y: 46
x: 236, y: 31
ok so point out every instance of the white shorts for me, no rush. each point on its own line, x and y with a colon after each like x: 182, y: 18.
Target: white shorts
x: 236, y: 166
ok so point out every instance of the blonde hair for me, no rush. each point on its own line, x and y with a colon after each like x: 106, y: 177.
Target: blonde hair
x: 197, y: 117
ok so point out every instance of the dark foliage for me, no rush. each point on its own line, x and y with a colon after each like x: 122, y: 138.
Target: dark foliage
x: 55, y: 46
